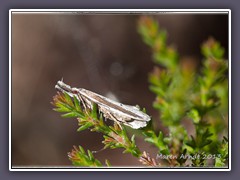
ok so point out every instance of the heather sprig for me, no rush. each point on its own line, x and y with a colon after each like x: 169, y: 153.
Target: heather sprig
x: 114, y: 136
x: 183, y: 92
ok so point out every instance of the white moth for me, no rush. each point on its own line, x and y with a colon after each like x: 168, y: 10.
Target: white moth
x: 120, y: 113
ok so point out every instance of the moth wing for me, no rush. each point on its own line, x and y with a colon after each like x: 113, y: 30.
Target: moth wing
x: 135, y: 107
x: 135, y: 124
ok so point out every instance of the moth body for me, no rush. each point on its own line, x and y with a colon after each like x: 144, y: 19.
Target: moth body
x: 121, y: 113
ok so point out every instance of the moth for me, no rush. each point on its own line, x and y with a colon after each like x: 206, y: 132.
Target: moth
x: 120, y: 113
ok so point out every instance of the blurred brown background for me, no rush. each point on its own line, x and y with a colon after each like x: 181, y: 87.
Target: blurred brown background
x: 102, y: 53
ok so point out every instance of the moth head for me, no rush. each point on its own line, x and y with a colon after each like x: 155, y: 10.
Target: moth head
x: 61, y: 86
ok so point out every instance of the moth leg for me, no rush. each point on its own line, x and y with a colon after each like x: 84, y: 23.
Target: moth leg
x: 118, y: 123
x: 115, y: 120
x: 105, y: 119
x: 83, y: 102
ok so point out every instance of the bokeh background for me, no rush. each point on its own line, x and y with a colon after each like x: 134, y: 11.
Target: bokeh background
x: 100, y: 52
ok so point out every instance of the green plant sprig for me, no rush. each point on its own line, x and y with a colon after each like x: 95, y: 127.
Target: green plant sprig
x: 170, y: 83
x: 114, y: 136
x: 79, y: 157
x: 184, y: 93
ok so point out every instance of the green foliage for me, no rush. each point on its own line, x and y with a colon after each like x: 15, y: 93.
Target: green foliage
x: 79, y: 157
x: 221, y: 160
x: 159, y: 141
x: 183, y: 93
x: 156, y: 39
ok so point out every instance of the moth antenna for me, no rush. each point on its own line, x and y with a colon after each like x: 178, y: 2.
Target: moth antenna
x: 62, y: 79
